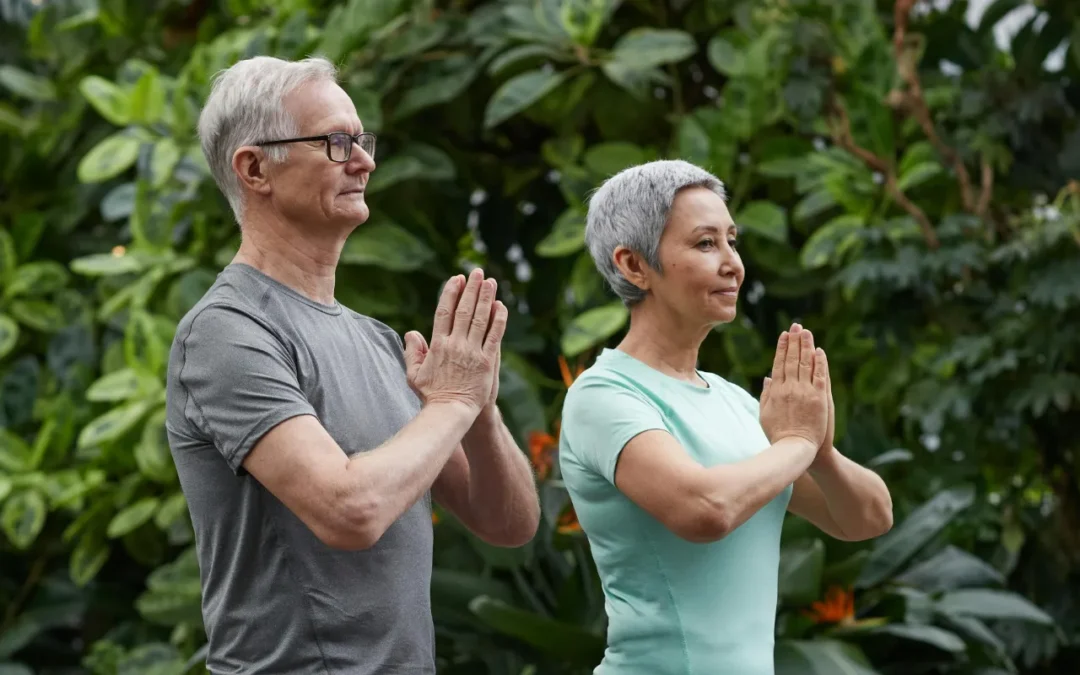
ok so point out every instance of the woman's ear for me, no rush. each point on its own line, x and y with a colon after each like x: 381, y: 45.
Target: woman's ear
x: 633, y: 267
x: 249, y: 164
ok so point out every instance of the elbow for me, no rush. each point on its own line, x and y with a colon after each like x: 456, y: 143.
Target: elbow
x: 355, y: 525
x: 706, y: 521
x: 514, y: 532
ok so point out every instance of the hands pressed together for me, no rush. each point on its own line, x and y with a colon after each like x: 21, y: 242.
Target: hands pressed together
x: 461, y: 365
x: 797, y: 398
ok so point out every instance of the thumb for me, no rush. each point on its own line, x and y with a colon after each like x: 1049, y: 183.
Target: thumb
x: 415, y: 350
x: 765, y: 392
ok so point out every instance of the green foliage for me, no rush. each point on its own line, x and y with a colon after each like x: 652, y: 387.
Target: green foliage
x: 925, y: 225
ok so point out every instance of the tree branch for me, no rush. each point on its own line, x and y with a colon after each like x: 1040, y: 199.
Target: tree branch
x: 840, y: 127
x: 909, y: 72
x: 987, y: 191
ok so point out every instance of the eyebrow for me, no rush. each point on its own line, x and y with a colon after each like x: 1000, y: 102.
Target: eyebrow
x: 733, y: 229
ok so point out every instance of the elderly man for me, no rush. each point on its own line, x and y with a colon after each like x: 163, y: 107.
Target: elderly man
x: 309, y: 439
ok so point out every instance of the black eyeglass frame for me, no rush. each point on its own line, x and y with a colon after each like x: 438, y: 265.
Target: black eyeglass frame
x: 326, y: 139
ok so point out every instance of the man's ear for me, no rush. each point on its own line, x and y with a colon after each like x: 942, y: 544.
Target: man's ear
x: 632, y: 266
x: 249, y: 163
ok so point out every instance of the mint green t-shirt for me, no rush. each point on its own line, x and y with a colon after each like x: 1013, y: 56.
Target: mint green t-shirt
x: 673, y: 607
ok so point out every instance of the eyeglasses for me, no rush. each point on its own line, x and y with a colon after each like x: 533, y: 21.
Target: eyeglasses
x: 338, y: 144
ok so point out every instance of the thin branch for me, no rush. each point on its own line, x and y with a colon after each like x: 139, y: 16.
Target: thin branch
x: 841, y: 132
x: 908, y: 69
x: 987, y: 191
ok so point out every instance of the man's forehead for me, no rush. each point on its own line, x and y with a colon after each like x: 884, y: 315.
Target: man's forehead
x: 324, y: 107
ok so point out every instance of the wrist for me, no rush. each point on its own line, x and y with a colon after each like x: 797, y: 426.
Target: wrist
x: 825, y: 459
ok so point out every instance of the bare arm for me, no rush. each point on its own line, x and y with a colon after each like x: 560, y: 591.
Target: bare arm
x: 489, y: 486
x: 843, y: 499
x: 349, y: 503
x: 705, y: 504
x: 702, y: 504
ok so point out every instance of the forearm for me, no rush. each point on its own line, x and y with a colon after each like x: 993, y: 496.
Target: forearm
x: 738, y: 491
x: 382, y: 484
x: 502, y: 489
x: 857, y: 498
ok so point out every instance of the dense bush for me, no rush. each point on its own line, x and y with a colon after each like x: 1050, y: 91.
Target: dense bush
x: 906, y: 189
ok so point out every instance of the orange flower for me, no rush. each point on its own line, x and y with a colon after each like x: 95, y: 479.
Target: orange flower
x: 564, y: 368
x: 837, y: 607
x: 434, y: 518
x: 568, y: 522
x: 542, y: 447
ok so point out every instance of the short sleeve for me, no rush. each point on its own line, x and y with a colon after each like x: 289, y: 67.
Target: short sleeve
x: 238, y: 380
x: 600, y: 417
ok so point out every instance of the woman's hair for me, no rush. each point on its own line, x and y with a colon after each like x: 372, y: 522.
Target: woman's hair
x: 631, y: 209
x: 246, y: 105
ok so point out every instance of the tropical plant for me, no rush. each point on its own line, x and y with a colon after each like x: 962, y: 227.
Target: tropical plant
x: 906, y: 185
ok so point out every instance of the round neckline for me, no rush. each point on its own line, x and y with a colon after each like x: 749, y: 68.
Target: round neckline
x: 245, y: 268
x: 609, y: 353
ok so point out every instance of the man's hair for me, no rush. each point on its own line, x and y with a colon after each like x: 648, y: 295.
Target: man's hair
x: 631, y: 209
x: 246, y: 105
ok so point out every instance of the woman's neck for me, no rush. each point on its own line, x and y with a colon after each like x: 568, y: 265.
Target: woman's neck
x: 664, y: 343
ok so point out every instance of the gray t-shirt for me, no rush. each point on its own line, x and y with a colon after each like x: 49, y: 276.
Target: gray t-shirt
x: 251, y: 354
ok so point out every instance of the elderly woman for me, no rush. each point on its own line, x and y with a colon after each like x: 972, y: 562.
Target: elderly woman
x: 680, y: 479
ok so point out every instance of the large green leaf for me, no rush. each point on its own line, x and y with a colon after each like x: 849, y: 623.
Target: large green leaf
x: 765, y: 219
x: 725, y: 57
x: 567, y: 236
x: 987, y: 603
x: 132, y: 517
x: 37, y: 314
x: 14, y: 452
x: 111, y: 157
x: 518, y: 93
x: 904, y: 541
x: 931, y: 635
x: 89, y: 556
x: 437, y: 83
x: 950, y: 569
x: 152, y: 453
x: 822, y: 246
x: 118, y: 385
x: 112, y: 102
x: 147, y: 102
x: 9, y: 334
x: 415, y: 161
x: 37, y: 278
x: 6, y: 486
x: 819, y: 657
x: 113, y: 424
x: 107, y: 264
x: 562, y: 641
x: 23, y: 517
x: 644, y: 48
x: 607, y: 159
x: 27, y: 85
x: 386, y: 245
x: 593, y: 327
x: 800, y: 573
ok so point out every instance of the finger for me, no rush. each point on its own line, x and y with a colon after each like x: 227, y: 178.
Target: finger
x: 791, y: 360
x: 806, y: 355
x: 822, y: 362
x: 764, y: 393
x: 493, y: 341
x: 415, y: 350
x: 821, y: 370
x: 444, y: 313
x: 781, y: 355
x: 466, y: 306
x: 482, y: 316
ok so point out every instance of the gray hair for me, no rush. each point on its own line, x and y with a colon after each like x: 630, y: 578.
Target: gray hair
x: 631, y: 209
x: 245, y: 106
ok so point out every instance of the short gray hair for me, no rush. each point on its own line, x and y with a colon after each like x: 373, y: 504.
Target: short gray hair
x: 246, y: 105
x: 631, y: 209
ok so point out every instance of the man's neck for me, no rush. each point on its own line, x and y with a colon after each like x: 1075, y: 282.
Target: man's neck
x: 663, y: 343
x: 302, y: 260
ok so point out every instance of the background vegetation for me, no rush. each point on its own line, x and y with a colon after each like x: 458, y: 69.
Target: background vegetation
x: 905, y: 182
